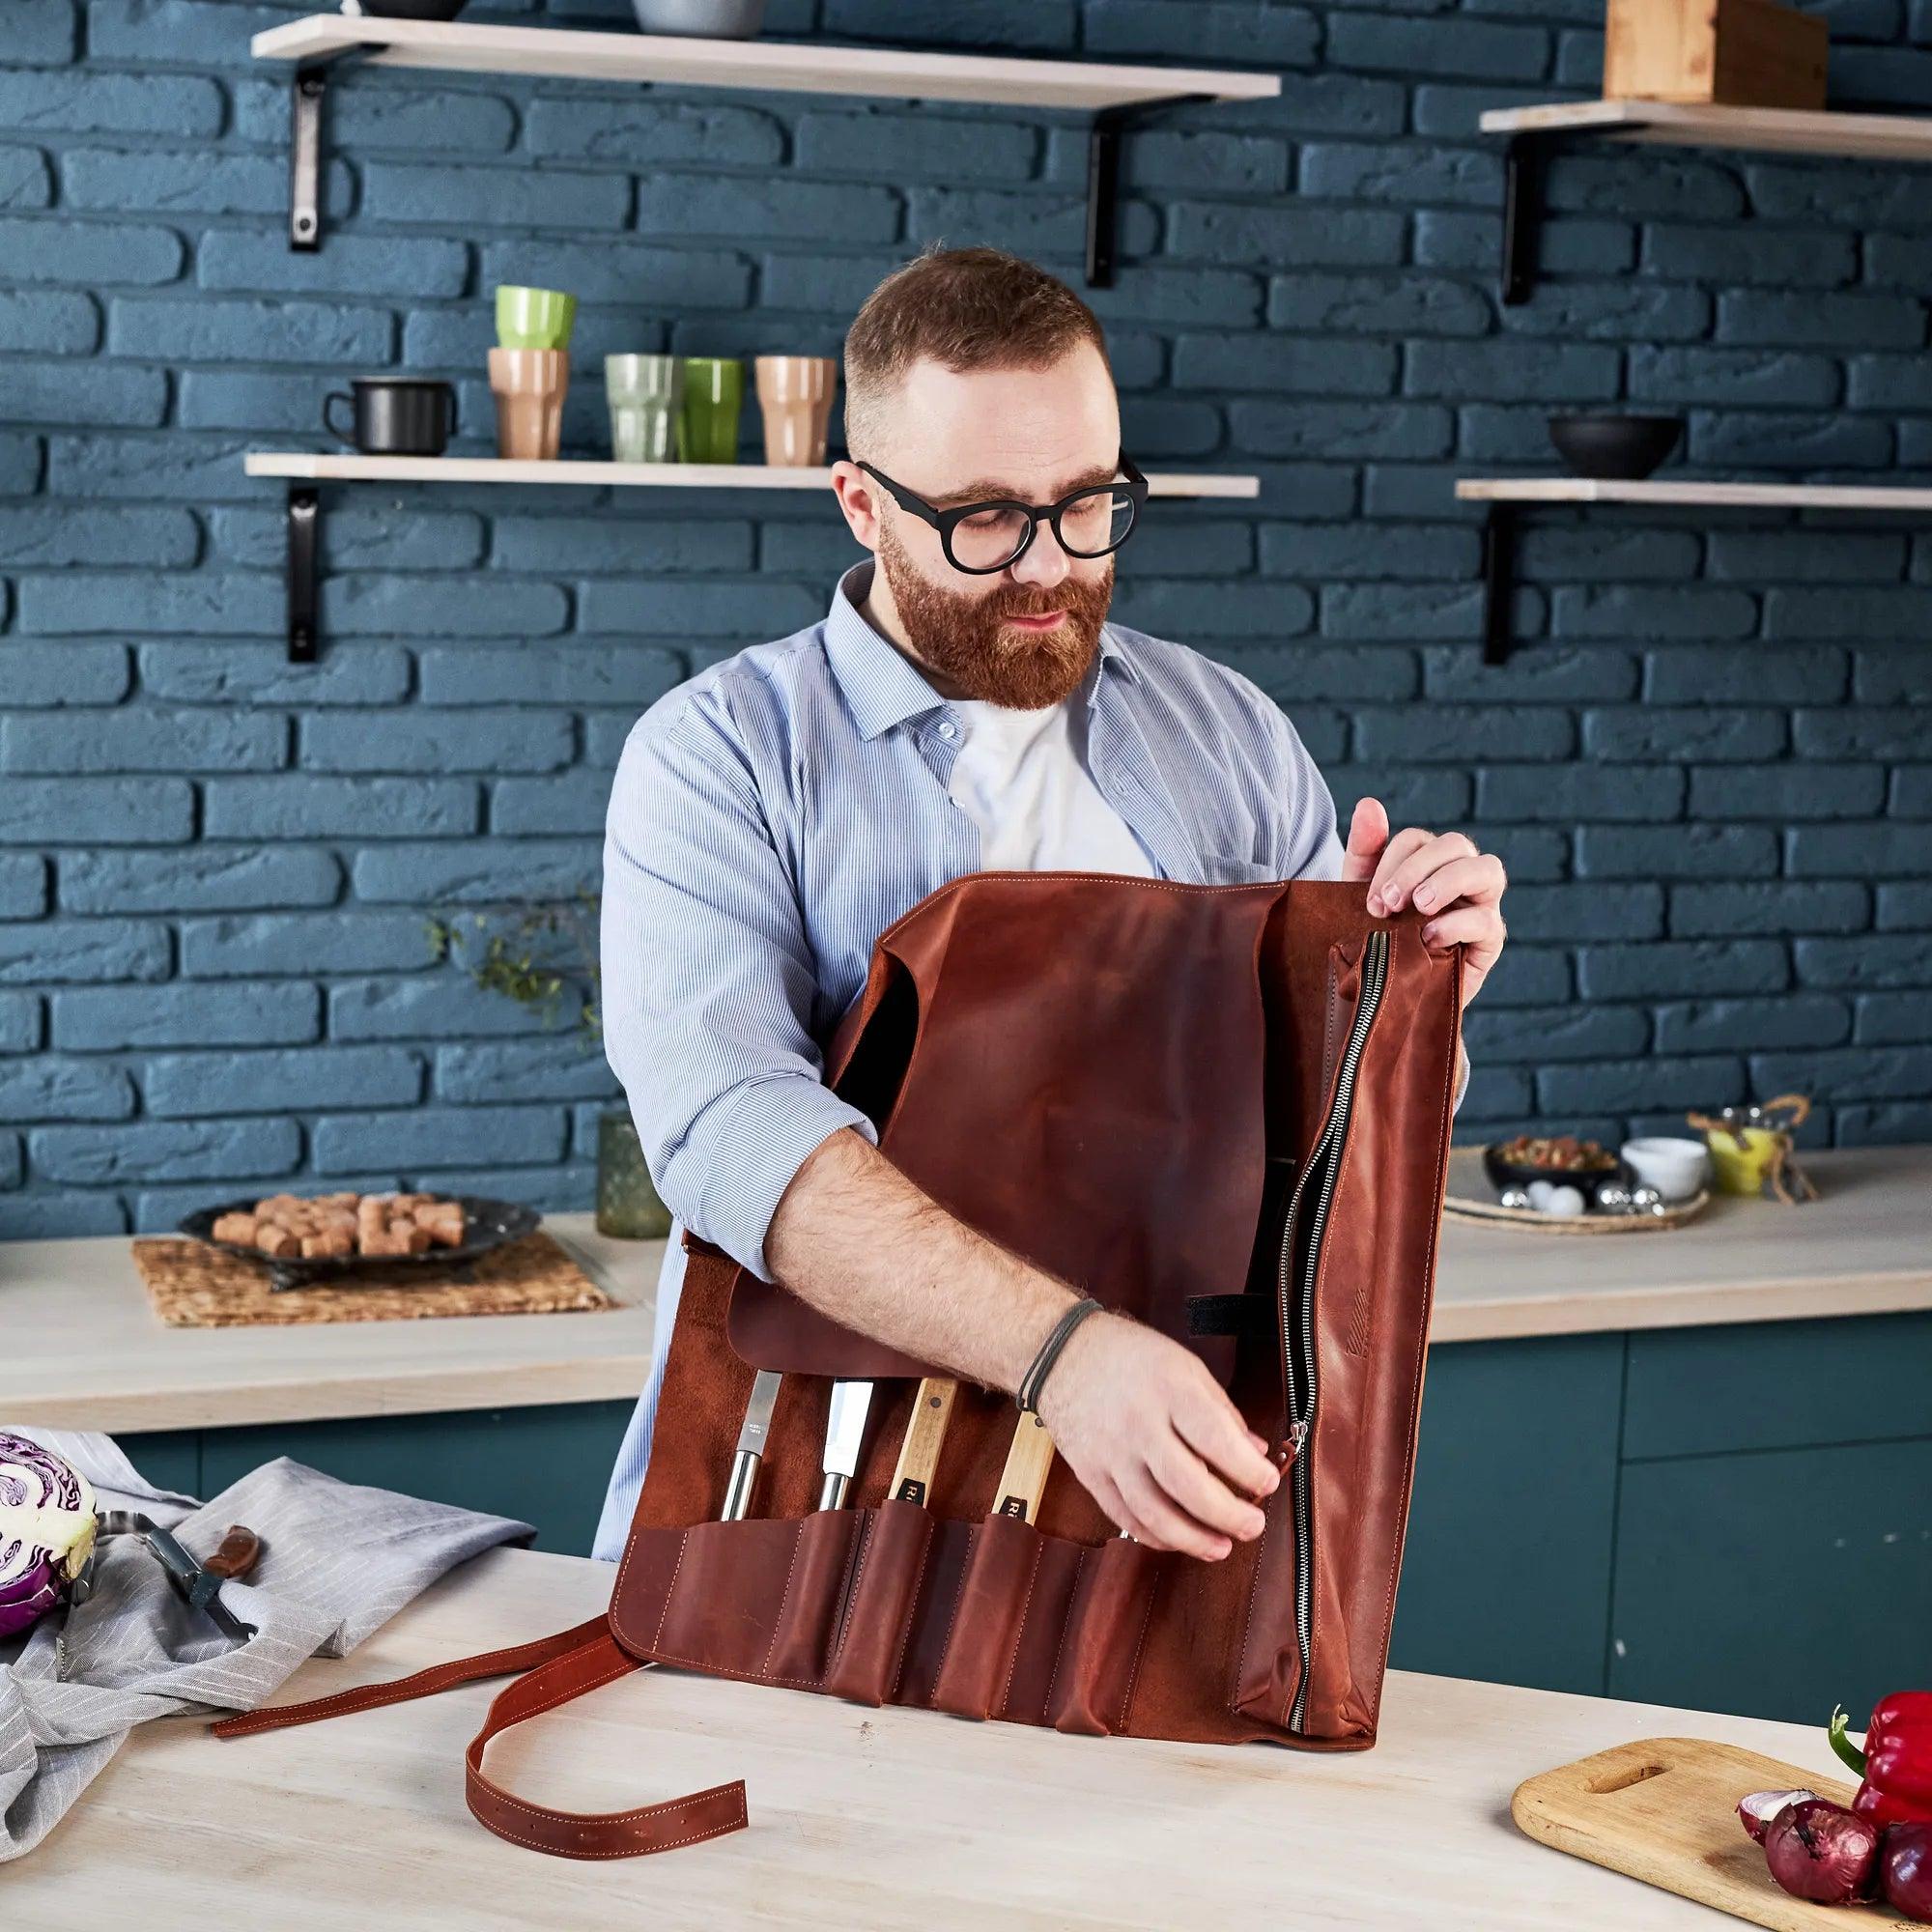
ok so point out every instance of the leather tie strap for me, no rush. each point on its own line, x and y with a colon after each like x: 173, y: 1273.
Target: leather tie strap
x: 559, y: 1667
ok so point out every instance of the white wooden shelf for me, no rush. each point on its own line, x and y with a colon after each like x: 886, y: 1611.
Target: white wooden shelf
x: 304, y: 471
x: 1533, y: 134
x: 1504, y: 495
x: 1892, y: 138
x: 784, y: 67
x: 299, y: 466
x: 1112, y: 94
x: 1747, y: 496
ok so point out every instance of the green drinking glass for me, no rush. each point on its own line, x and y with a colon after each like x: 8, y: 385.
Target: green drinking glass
x: 628, y: 1207
x: 707, y: 423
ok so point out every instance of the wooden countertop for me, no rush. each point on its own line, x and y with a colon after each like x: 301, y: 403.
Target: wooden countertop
x: 859, y: 1818
x: 86, y: 1351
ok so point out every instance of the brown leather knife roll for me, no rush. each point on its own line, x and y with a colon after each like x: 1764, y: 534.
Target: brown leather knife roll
x: 1223, y: 1109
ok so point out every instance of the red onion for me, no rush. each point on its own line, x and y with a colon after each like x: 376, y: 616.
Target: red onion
x: 1905, y: 1869
x: 1756, y: 1811
x: 1820, y: 1851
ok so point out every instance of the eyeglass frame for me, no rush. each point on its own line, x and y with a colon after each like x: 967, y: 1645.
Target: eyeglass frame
x: 946, y: 522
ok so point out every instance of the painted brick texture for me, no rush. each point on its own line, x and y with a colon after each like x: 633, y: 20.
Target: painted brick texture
x: 1709, y: 768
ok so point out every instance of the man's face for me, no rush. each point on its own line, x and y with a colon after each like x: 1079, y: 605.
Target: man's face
x: 1033, y: 435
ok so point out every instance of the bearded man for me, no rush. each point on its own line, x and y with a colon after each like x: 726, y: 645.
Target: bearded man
x: 964, y: 706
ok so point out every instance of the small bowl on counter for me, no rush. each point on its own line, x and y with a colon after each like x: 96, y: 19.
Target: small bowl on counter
x: 1677, y: 1169
x: 1561, y: 1159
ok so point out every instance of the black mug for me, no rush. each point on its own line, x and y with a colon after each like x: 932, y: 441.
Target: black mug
x: 395, y: 415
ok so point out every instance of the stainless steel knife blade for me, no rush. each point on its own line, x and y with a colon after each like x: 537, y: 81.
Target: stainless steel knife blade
x: 750, y: 1445
x: 844, y: 1436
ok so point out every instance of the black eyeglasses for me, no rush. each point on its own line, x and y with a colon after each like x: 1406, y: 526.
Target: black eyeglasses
x: 981, y: 538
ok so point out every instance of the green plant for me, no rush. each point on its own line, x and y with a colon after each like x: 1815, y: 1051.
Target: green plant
x: 536, y: 952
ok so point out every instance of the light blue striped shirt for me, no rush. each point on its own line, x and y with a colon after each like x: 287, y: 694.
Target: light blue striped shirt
x: 774, y: 814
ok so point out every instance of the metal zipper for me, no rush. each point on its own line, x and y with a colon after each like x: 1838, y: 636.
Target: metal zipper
x: 1297, y: 1321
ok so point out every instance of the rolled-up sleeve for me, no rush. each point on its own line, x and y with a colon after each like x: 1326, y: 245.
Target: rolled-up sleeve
x: 707, y: 984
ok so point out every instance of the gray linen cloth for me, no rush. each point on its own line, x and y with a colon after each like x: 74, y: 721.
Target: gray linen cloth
x: 338, y: 1560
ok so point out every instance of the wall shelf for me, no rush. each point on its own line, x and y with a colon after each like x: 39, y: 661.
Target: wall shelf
x: 1115, y: 96
x: 1535, y: 132
x: 1505, y: 494
x: 304, y: 471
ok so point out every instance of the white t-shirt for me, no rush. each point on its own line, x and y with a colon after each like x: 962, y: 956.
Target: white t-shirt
x: 1022, y: 777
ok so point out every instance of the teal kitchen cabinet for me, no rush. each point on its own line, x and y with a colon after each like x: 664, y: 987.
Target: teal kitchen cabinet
x: 546, y: 1466
x: 1506, y: 1565
x: 1775, y: 1582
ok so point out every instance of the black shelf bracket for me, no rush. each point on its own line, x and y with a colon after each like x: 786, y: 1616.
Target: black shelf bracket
x: 1499, y: 527
x: 1103, y: 178
x: 1524, y: 159
x: 305, y: 540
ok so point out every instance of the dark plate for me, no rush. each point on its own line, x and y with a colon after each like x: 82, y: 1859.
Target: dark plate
x: 486, y: 1225
x: 1521, y: 1173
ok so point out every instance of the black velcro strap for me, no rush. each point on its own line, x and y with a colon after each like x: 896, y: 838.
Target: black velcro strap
x: 1231, y: 1314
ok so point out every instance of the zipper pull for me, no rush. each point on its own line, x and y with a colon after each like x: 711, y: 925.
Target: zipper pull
x: 1297, y: 1434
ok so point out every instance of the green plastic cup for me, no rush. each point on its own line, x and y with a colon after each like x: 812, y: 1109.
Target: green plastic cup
x: 533, y: 318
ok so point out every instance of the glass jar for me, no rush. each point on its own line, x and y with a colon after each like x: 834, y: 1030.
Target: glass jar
x: 628, y: 1207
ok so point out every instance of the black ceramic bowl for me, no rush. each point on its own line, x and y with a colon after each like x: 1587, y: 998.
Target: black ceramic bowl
x: 412, y: 10
x: 1620, y: 448
x: 486, y: 1224
x: 1519, y: 1173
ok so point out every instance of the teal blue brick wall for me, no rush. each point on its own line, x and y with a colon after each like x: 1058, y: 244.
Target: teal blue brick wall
x: 1709, y: 769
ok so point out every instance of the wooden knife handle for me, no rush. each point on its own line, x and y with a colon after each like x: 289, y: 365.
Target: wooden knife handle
x: 926, y: 1434
x: 1023, y: 1481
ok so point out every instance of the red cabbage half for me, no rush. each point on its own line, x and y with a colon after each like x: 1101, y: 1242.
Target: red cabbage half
x: 46, y: 1530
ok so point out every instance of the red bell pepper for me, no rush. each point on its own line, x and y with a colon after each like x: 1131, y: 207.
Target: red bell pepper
x: 1897, y: 1762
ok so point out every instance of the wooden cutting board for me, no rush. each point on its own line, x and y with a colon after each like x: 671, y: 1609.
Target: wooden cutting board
x: 1665, y: 1811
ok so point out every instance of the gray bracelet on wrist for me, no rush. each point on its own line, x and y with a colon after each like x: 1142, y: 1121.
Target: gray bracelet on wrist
x: 1027, y: 1393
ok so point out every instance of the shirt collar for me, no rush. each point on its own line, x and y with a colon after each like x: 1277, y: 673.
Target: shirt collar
x: 881, y: 685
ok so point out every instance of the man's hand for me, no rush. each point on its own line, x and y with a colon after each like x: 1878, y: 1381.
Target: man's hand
x: 1442, y: 873
x: 1155, y: 1440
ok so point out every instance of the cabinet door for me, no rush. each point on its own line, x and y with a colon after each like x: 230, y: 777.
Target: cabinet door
x: 545, y: 1465
x: 1506, y: 1567
x: 1776, y: 1584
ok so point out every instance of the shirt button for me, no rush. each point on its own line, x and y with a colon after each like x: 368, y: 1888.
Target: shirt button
x: 949, y: 729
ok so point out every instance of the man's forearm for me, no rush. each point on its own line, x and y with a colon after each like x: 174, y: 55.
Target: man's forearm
x: 860, y: 1242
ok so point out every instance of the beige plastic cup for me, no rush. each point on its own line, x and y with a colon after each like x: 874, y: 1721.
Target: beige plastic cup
x: 529, y: 385
x: 795, y: 396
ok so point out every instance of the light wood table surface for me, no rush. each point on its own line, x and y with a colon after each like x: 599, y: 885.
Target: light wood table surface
x: 859, y: 1818
x: 84, y: 1350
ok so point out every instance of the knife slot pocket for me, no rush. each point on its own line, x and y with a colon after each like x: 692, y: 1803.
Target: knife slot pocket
x: 1098, y: 1656
x: 814, y: 1593
x: 1005, y: 1620
x: 727, y: 1596
x: 876, y: 1613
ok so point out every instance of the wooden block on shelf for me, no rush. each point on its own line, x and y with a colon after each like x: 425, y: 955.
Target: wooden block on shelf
x: 1732, y: 53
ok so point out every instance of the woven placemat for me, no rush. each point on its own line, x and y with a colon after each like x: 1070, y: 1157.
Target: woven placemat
x: 193, y: 1285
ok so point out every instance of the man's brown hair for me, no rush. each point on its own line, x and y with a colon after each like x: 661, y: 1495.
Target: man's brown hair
x: 967, y: 308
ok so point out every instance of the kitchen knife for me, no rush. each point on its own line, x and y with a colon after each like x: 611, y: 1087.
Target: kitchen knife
x: 844, y: 1434
x: 750, y: 1445
x: 926, y: 1434
x: 1023, y: 1480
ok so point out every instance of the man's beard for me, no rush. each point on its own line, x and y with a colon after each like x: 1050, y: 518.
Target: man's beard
x: 967, y: 639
